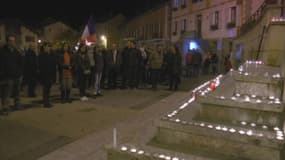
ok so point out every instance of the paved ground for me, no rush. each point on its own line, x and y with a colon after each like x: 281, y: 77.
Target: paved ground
x: 35, y: 132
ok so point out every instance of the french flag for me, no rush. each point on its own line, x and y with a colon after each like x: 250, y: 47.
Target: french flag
x: 89, y: 35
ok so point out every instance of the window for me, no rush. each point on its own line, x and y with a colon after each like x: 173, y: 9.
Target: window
x: 175, y: 4
x: 232, y: 18
x: 233, y: 14
x: 184, y: 25
x: 175, y: 27
x: 30, y: 39
x: 215, y: 21
x: 184, y: 3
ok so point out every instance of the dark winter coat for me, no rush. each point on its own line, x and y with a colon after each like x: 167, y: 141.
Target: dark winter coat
x: 12, y: 63
x: 30, y: 65
x: 99, y: 62
x: 134, y: 57
x: 47, y: 68
x: 175, y: 64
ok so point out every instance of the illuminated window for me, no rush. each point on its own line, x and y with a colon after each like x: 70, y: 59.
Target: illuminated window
x: 193, y: 45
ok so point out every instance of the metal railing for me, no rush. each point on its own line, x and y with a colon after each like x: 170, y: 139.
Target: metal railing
x: 255, y: 18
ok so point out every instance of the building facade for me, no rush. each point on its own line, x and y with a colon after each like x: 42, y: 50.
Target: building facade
x: 151, y: 27
x: 58, y: 31
x: 211, y: 24
x: 111, y: 30
x: 25, y: 35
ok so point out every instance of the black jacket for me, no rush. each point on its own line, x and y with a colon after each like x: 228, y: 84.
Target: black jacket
x: 47, y: 68
x: 175, y: 63
x: 12, y: 63
x: 134, y: 57
x: 30, y: 64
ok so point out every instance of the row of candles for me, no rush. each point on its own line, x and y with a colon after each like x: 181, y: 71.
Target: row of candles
x: 141, y: 152
x: 279, y: 135
x: 243, y: 69
x: 214, y: 83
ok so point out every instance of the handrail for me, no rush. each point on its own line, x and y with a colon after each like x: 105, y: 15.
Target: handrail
x: 255, y: 17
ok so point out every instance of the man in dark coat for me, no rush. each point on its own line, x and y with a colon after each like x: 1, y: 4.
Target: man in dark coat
x: 11, y: 73
x: 115, y: 64
x: 30, y: 70
x: 133, y: 65
x: 47, y: 72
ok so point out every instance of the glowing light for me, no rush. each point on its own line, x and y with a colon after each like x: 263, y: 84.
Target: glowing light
x: 140, y: 152
x: 218, y: 128
x: 280, y: 138
x: 247, y: 99
x: 161, y: 156
x: 249, y: 133
x: 167, y: 158
x: 222, y: 97
x: 225, y: 129
x: 238, y: 95
x: 193, y: 45
x: 232, y: 130
x: 246, y: 74
x: 123, y: 148
x: 234, y: 98
x: 253, y: 125
x: 258, y: 101
x: 243, y: 123
x: 276, y: 129
x: 271, y: 97
x: 202, y: 125
x: 264, y: 127
x: 39, y: 41
x: 279, y: 133
x: 253, y: 96
x: 133, y: 150
x: 175, y: 158
x: 177, y: 120
x: 241, y: 132
x: 260, y: 135
x: 210, y: 126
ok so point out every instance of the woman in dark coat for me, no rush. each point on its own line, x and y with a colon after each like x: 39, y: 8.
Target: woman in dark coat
x: 47, y: 72
x: 175, y: 67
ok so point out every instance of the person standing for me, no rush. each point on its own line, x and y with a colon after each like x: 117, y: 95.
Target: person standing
x: 155, y: 61
x: 133, y: 65
x: 214, y: 63
x: 116, y: 61
x: 30, y: 70
x: 99, y: 66
x: 175, y: 67
x: 124, y: 66
x: 197, y: 60
x: 11, y: 66
x: 84, y: 72
x: 47, y: 72
x: 65, y: 67
x: 90, y: 54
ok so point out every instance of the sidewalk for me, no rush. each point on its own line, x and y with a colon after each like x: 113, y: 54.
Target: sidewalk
x: 81, y: 129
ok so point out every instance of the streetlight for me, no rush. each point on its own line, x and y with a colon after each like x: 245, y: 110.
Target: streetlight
x: 104, y: 39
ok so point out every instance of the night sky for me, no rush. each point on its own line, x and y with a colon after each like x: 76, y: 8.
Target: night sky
x: 75, y: 13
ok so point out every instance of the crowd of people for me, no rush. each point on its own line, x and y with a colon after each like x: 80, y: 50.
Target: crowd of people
x: 197, y: 63
x: 86, y: 67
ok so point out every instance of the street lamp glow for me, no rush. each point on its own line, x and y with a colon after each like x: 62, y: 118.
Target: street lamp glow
x: 39, y: 41
x: 104, y: 40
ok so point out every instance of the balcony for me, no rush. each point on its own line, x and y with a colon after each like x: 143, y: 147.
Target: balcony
x: 256, y: 17
x: 214, y: 27
x: 231, y: 25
